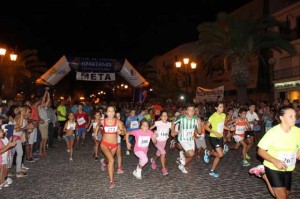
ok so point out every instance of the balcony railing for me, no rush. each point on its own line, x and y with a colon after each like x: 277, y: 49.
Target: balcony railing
x: 286, y: 73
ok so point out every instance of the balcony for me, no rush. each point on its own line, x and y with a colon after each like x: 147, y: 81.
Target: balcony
x: 286, y: 73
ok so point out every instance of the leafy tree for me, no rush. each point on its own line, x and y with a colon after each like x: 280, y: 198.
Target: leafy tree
x: 236, y: 40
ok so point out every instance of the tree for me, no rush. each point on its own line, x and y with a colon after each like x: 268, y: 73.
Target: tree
x: 22, y: 74
x: 237, y: 40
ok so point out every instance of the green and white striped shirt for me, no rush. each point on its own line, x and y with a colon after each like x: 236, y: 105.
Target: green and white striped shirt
x: 187, y: 127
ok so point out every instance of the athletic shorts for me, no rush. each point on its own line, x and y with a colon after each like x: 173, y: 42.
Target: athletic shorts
x: 279, y: 178
x: 238, y: 138
x: 216, y: 142
x: 200, y: 143
x: 188, y: 145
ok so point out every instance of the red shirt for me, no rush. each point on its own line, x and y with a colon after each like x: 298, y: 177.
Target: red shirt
x: 81, y: 119
x: 34, y: 113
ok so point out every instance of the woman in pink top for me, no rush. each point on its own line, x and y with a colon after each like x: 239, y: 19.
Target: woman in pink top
x: 142, y: 141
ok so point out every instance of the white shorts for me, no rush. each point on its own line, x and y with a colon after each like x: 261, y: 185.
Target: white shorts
x: 188, y: 145
x: 200, y: 143
x: 238, y: 138
x: 33, y: 136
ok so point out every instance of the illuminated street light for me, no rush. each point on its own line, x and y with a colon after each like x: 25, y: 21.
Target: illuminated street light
x: 186, y: 71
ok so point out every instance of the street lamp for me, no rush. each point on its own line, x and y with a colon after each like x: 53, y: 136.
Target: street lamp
x: 193, y: 66
x: 13, y: 58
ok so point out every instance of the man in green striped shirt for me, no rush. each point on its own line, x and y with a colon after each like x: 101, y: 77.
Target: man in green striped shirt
x: 188, y: 124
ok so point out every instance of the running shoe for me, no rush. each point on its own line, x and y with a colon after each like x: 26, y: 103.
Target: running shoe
x: 153, y: 164
x: 135, y: 173
x: 248, y: 157
x: 120, y: 171
x: 127, y: 152
x: 225, y: 149
x: 96, y: 158
x: 71, y: 159
x: 9, y: 181
x: 182, y: 168
x: 259, y: 170
x: 24, y: 167
x: 246, y: 163
x: 214, y: 174
x: 112, y: 184
x: 206, y: 156
x: 165, y: 172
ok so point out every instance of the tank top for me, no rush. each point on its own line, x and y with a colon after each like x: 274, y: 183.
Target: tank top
x: 110, y: 129
x: 240, y: 127
x: 19, y: 133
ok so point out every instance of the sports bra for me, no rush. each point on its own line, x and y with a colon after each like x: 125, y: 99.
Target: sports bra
x: 110, y: 129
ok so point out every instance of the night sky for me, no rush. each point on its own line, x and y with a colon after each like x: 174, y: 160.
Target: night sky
x: 136, y: 30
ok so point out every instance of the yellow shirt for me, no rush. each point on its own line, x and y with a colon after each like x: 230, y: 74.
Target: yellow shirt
x: 281, y: 145
x: 63, y: 111
x: 217, y: 123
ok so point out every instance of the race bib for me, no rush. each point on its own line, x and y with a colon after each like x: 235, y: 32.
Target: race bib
x: 134, y: 124
x: 187, y: 134
x: 220, y: 127
x: 80, y: 120
x: 71, y: 126
x: 288, y: 158
x: 163, y: 134
x: 95, y: 125
x: 110, y: 129
x: 143, y: 141
x: 240, y: 130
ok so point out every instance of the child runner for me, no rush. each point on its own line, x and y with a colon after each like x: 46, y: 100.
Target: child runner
x: 94, y: 123
x: 83, y: 121
x: 253, y: 119
x: 241, y: 124
x: 200, y: 139
x: 216, y: 121
x: 163, y: 129
x: 131, y: 123
x: 69, y: 130
x: 142, y: 141
x: 109, y: 142
x: 188, y: 124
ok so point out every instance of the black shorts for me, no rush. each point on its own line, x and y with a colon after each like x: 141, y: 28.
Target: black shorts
x: 279, y: 178
x: 248, y: 134
x: 61, y: 124
x: 216, y: 142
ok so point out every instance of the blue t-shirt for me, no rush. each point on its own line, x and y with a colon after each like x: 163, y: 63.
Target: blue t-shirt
x: 132, y: 123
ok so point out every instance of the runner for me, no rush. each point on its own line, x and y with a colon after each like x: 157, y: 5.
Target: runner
x: 241, y: 124
x: 216, y: 121
x: 83, y: 121
x: 94, y: 123
x: 142, y: 141
x: 119, y: 150
x: 131, y: 123
x: 279, y: 147
x: 253, y: 119
x: 188, y: 124
x: 109, y: 142
x: 163, y: 129
x: 69, y: 130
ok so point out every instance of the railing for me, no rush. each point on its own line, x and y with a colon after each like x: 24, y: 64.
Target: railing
x: 286, y: 73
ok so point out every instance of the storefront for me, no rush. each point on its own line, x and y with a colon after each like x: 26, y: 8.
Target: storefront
x: 287, y: 90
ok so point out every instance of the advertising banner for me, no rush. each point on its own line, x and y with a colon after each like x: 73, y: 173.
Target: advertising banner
x: 60, y: 69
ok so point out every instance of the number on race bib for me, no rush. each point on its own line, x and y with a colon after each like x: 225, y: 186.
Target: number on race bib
x: 143, y: 141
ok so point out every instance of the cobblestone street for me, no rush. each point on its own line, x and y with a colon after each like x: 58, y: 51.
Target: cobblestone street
x: 56, y: 177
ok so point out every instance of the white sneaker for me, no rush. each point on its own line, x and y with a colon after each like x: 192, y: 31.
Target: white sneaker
x: 135, y: 173
x: 181, y: 154
x: 68, y: 150
x: 9, y: 180
x: 182, y: 168
x: 71, y: 159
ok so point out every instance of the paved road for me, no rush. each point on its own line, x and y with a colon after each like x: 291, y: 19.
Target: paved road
x: 57, y: 177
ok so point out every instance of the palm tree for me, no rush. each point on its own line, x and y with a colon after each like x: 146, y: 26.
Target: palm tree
x: 23, y: 73
x: 236, y: 40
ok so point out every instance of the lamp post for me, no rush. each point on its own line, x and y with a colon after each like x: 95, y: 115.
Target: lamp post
x: 13, y: 58
x: 193, y: 66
